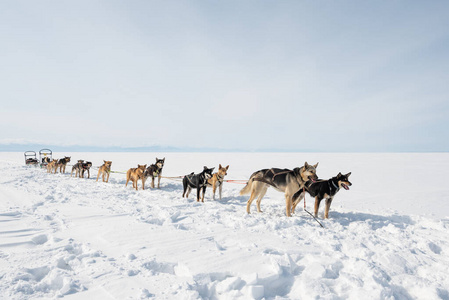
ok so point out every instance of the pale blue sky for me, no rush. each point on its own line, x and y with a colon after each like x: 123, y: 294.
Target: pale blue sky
x: 291, y: 75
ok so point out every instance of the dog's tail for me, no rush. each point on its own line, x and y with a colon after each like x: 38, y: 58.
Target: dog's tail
x: 247, y: 188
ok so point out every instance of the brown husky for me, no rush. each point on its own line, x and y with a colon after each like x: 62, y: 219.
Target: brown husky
x: 134, y: 174
x: 283, y: 180
x: 52, y: 166
x: 217, y: 180
x: 104, y: 170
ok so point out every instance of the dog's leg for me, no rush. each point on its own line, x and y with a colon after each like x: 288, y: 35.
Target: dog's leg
x: 204, y: 192
x: 297, y: 197
x: 251, y: 198
x: 159, y: 180
x: 98, y: 176
x: 261, y: 195
x: 198, y: 191
x: 317, y: 206
x: 188, y: 191
x: 143, y: 183
x: 184, y: 185
x: 288, y: 204
x: 214, y: 188
x: 328, y: 206
x: 219, y: 190
x: 88, y: 173
x: 152, y: 182
x: 254, y: 193
x: 107, y: 180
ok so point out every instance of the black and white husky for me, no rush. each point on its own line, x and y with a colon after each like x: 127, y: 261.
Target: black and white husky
x: 326, y: 189
x: 155, y: 170
x: 197, y: 181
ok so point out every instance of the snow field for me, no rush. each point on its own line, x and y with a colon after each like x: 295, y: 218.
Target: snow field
x: 77, y: 238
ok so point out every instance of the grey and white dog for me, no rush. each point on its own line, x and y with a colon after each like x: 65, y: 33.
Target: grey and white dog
x: 289, y: 182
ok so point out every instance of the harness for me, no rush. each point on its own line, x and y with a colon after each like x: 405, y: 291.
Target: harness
x: 279, y: 173
x: 220, y: 178
x: 333, y: 183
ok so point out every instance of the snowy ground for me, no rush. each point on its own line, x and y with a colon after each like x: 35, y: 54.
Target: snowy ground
x: 387, y: 237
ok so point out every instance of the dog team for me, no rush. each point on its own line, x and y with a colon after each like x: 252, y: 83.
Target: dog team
x: 293, y: 183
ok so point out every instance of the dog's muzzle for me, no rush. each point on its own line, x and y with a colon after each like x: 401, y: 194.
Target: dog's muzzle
x: 345, y: 186
x: 313, y: 178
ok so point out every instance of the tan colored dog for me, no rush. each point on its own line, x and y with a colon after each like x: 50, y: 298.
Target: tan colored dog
x: 104, y: 170
x: 217, y: 179
x: 134, y: 174
x: 52, y: 166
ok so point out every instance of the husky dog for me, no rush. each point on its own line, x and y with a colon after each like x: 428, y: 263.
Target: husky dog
x: 105, y: 170
x: 217, y: 179
x: 325, y: 189
x: 197, y: 181
x: 134, y: 174
x: 63, y: 163
x: 46, y: 160
x: 52, y: 166
x: 85, y: 167
x: 155, y: 170
x: 283, y: 180
x: 77, y: 168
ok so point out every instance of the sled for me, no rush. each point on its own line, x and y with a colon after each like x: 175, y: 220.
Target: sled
x: 45, y: 156
x: 30, y: 158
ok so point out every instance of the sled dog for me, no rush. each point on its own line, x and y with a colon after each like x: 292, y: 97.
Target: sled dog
x: 134, y: 174
x: 105, y: 170
x: 52, y: 166
x: 85, y: 167
x: 283, y: 180
x: 325, y: 189
x: 155, y: 170
x: 197, y: 181
x: 217, y: 180
x: 77, y: 168
x: 62, y: 163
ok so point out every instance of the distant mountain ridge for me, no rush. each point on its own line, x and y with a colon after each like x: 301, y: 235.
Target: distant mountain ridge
x: 80, y: 148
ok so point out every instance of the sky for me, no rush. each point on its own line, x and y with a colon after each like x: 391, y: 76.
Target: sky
x: 332, y: 76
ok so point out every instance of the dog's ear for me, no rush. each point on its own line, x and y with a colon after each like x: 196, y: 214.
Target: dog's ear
x: 227, y: 167
x: 349, y: 174
x: 163, y: 159
x: 204, y: 168
x: 219, y: 166
x: 339, y: 175
x: 315, y: 166
x: 157, y: 159
x: 145, y: 166
x: 306, y: 165
x: 212, y: 169
x: 104, y: 161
